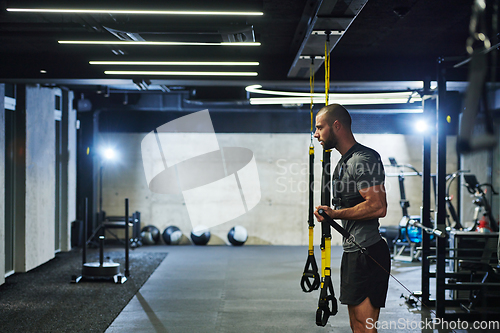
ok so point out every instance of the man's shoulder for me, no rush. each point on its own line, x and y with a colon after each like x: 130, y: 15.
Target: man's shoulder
x: 364, y: 153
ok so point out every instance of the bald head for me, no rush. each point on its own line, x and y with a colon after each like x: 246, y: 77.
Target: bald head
x: 334, y: 112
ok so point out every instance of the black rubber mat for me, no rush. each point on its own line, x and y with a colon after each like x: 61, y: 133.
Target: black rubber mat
x: 44, y: 300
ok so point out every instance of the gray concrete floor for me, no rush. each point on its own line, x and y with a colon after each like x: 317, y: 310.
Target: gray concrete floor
x: 250, y: 289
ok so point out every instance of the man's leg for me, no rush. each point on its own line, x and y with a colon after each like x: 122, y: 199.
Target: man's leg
x: 363, y: 316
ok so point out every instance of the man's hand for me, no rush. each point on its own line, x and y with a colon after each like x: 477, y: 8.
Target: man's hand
x: 330, y: 212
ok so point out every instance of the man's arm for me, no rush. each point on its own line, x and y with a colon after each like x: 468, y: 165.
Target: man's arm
x: 374, y: 206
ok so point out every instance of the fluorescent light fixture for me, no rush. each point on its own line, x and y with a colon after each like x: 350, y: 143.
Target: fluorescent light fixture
x: 139, y: 12
x: 341, y: 98
x: 181, y: 73
x: 358, y: 99
x: 293, y: 97
x: 134, y: 42
x: 177, y: 63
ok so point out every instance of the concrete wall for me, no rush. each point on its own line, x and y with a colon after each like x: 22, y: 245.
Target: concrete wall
x: 2, y: 184
x: 40, y: 176
x: 282, y: 161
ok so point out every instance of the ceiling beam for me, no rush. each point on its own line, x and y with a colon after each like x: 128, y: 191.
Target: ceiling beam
x: 329, y: 15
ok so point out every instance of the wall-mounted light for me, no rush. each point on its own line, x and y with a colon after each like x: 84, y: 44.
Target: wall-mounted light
x: 421, y: 126
x: 108, y: 154
x: 134, y: 12
x: 150, y: 43
x: 181, y: 73
x: 176, y: 63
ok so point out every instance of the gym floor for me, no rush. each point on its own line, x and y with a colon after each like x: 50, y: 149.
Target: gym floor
x: 251, y: 289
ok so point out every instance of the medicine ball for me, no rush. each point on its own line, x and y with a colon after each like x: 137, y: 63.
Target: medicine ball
x: 172, y: 235
x: 200, y: 235
x: 150, y: 235
x: 238, y: 235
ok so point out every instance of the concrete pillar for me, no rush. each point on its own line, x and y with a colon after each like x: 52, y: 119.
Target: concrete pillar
x: 68, y: 169
x: 2, y: 184
x: 40, y: 177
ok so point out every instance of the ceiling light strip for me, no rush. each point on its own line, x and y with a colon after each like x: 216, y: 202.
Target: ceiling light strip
x: 181, y: 73
x: 359, y: 99
x: 386, y: 95
x: 117, y: 42
x: 177, y: 63
x: 138, y: 12
x: 406, y: 96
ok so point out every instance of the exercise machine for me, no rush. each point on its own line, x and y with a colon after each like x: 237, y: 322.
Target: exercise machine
x: 405, y: 245
x: 116, y: 222
x: 481, y: 202
x: 102, y: 270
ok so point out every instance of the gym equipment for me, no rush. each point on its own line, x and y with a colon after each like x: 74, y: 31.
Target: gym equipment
x: 310, y: 278
x: 200, y: 235
x: 116, y: 222
x: 410, y: 226
x: 238, y: 235
x: 327, y: 303
x: 409, y: 234
x: 454, y: 222
x: 447, y: 253
x: 172, y: 235
x: 420, y: 226
x: 150, y: 235
x: 103, y: 270
x: 480, y: 201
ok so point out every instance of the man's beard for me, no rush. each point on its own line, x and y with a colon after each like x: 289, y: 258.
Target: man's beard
x: 331, y: 142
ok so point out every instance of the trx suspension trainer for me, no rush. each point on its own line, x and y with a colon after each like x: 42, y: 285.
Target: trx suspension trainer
x: 327, y: 304
x: 310, y: 278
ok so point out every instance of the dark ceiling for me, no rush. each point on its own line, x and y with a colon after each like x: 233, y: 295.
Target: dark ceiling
x: 382, y: 40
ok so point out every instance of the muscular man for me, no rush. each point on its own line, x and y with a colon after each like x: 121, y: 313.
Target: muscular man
x: 360, y: 200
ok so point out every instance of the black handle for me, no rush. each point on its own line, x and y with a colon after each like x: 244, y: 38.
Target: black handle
x: 327, y: 305
x: 310, y: 278
x: 334, y: 224
x: 341, y: 230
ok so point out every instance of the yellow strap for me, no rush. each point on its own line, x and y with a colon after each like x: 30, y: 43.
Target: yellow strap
x: 311, y: 237
x: 327, y: 68
x: 311, y: 89
x: 323, y: 262
x: 328, y: 252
